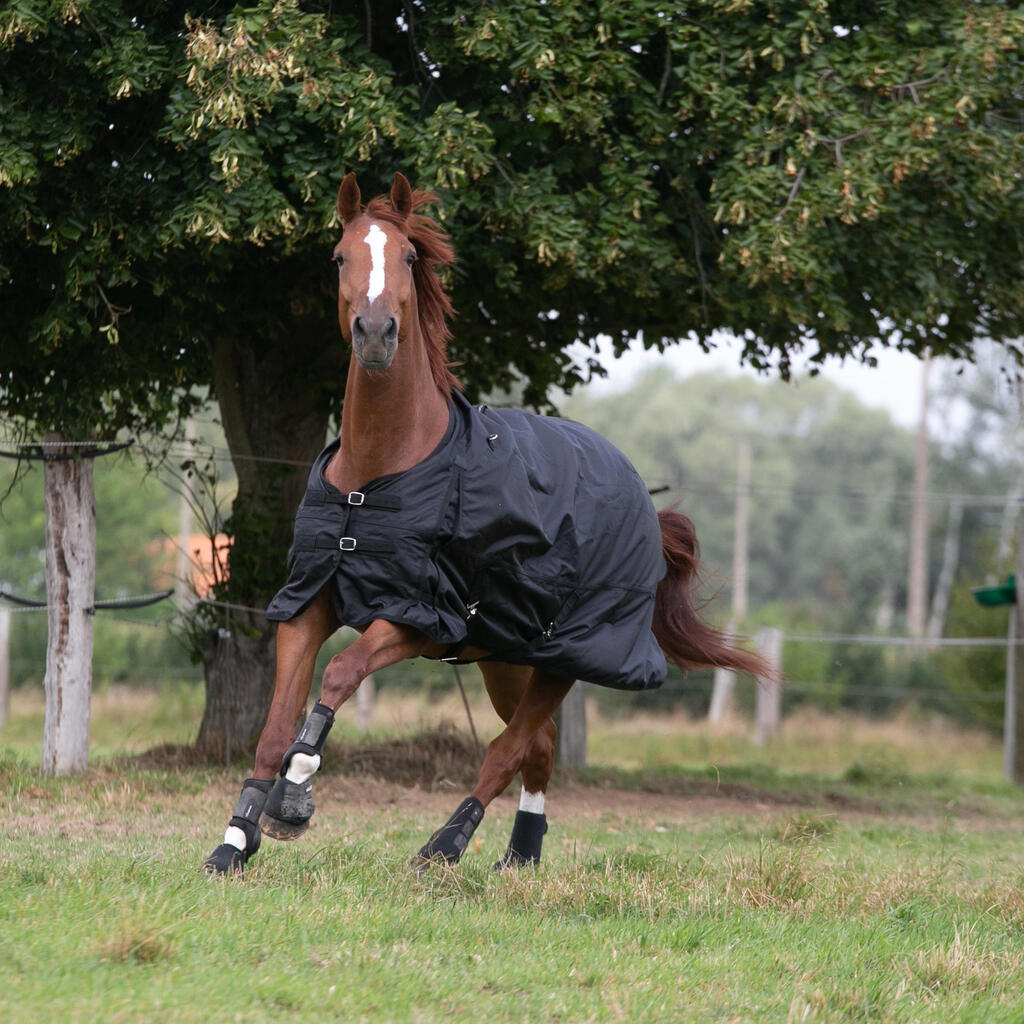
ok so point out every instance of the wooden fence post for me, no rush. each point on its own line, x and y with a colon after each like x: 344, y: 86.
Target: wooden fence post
x: 768, y: 695
x: 364, y: 702
x: 572, y: 729
x: 5, y: 665
x: 70, y: 593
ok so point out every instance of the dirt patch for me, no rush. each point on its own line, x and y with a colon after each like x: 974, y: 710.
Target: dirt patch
x: 431, y: 769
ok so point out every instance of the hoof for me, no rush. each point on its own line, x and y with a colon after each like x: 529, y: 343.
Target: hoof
x: 288, y: 809
x: 226, y: 860
x: 510, y: 860
x: 277, y: 828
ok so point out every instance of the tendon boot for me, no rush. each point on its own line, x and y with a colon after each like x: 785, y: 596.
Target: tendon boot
x: 451, y: 839
x: 290, y: 803
x: 524, y: 846
x: 242, y: 838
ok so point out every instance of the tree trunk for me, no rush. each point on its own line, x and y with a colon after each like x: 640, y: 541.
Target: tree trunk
x: 275, y: 422
x: 239, y: 668
x: 70, y: 585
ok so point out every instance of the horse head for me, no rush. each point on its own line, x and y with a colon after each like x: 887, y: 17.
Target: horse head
x: 376, y: 294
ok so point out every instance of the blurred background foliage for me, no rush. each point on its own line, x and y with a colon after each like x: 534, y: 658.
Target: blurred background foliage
x: 830, y: 505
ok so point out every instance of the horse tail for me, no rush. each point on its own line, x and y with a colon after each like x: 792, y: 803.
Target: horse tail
x: 678, y: 627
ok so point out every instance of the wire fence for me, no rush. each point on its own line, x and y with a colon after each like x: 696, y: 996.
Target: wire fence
x: 823, y: 690
x: 792, y: 687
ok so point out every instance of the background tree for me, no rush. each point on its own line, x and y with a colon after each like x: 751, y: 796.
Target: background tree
x: 809, y: 175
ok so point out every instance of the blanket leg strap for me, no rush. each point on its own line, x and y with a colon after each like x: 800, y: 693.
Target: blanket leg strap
x: 524, y: 846
x: 242, y: 838
x: 451, y: 839
x: 290, y: 803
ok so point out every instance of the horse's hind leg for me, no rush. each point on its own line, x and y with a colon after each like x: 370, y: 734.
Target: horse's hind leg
x: 526, y: 700
x: 506, y: 685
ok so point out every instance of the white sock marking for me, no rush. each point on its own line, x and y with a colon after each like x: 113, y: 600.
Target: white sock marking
x: 235, y: 837
x: 532, y: 802
x: 376, y: 240
x: 301, y: 767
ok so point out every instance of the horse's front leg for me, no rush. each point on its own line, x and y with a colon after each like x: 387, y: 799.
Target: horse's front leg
x: 298, y: 643
x: 529, y: 725
x: 289, y: 804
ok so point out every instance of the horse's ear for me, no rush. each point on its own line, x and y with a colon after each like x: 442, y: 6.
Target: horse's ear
x: 349, y: 199
x: 401, y: 196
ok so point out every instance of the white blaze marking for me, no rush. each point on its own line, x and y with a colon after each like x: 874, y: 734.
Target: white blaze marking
x: 376, y: 240
x: 532, y: 802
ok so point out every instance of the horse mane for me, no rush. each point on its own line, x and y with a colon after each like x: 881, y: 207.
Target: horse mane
x: 433, y: 251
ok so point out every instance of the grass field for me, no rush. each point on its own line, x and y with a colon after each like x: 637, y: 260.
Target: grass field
x: 853, y: 871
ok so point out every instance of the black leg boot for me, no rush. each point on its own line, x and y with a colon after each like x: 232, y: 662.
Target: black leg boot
x: 451, y: 839
x: 290, y: 803
x: 229, y: 858
x: 525, y: 844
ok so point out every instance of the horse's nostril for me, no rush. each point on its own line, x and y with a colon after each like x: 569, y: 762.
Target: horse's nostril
x: 392, y: 328
x: 358, y: 326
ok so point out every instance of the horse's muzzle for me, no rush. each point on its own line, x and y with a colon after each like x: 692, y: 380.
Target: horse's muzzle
x: 375, y: 341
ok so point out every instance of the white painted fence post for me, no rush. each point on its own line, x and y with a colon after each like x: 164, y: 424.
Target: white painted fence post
x: 768, y: 695
x: 364, y: 703
x: 70, y: 579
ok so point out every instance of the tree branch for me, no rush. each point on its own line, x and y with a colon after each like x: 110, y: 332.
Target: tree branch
x: 792, y: 193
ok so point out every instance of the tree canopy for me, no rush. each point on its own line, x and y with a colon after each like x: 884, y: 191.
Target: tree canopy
x: 806, y: 174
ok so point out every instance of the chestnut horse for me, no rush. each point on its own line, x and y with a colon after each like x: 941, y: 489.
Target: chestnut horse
x: 401, y: 421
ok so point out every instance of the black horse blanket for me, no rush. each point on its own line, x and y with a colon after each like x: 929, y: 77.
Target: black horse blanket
x: 530, y: 537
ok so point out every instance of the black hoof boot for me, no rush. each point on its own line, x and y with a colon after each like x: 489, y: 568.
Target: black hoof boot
x: 451, y: 839
x: 226, y: 860
x: 288, y: 810
x: 229, y: 859
x: 524, y: 847
x: 290, y: 804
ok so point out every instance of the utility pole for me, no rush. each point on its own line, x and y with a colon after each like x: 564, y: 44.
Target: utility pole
x: 725, y: 679
x: 183, y: 595
x: 917, y: 564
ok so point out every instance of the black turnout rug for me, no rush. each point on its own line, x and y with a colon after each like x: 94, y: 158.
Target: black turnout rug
x: 530, y: 537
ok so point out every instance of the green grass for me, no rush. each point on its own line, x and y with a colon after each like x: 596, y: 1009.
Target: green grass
x: 886, y: 889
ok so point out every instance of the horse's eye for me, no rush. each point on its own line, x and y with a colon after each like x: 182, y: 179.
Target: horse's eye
x: 339, y: 259
x: 410, y: 258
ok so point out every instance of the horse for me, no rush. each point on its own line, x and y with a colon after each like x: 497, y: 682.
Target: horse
x: 524, y: 543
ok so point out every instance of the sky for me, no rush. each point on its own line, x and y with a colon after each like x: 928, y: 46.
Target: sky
x: 894, y: 385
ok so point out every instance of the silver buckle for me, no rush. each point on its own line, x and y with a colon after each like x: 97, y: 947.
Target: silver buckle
x: 356, y: 498
x: 347, y: 543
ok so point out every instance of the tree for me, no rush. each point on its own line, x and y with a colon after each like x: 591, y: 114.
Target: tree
x: 809, y: 175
